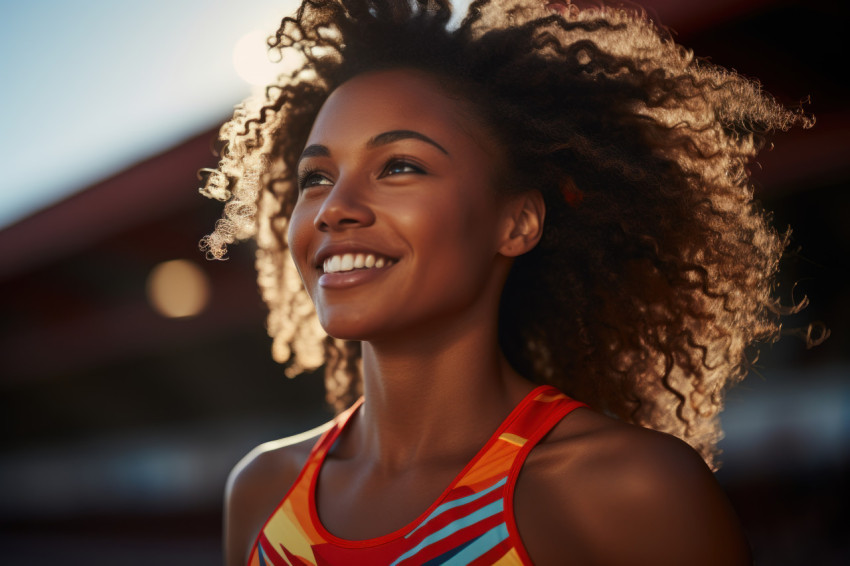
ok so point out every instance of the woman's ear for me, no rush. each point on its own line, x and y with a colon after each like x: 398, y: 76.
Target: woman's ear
x: 525, y: 216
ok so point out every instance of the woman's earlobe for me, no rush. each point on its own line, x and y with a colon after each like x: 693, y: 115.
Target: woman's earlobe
x: 527, y: 214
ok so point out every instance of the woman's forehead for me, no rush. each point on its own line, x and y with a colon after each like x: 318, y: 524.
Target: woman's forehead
x: 397, y: 99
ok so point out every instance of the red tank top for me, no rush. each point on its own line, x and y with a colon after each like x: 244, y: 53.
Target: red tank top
x: 471, y: 523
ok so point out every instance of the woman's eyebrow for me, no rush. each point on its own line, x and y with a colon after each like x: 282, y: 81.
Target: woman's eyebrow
x: 314, y: 150
x: 396, y: 135
x: 318, y: 150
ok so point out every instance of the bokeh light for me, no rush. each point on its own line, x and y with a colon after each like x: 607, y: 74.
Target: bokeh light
x: 178, y: 289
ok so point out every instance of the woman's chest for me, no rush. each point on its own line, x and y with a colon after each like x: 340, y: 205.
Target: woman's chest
x: 357, y: 504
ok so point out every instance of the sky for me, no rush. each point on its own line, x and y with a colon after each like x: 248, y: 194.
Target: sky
x: 90, y: 87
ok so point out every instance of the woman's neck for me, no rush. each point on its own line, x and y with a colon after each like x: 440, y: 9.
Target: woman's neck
x: 437, y: 397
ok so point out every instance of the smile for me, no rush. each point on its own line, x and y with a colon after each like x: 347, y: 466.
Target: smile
x: 349, y: 262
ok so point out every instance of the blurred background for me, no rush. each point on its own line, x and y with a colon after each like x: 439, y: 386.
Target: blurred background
x: 134, y: 374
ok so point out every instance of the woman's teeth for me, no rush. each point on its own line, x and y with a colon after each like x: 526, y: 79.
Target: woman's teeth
x: 348, y: 262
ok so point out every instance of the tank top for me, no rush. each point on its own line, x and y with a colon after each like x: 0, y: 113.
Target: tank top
x: 471, y: 523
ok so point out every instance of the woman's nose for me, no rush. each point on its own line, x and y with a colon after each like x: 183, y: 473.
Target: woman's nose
x: 344, y: 208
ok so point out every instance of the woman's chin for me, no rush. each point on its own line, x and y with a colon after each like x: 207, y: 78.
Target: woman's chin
x: 346, y: 328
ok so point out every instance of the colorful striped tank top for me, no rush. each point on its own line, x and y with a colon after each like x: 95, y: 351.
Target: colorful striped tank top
x: 471, y: 523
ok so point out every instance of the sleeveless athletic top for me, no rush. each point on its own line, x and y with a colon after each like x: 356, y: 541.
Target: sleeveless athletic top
x: 471, y: 523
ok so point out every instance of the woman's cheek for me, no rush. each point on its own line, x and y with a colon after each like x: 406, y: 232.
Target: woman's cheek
x: 298, y: 236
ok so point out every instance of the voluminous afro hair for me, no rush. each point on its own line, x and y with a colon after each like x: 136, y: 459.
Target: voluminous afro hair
x: 655, y: 270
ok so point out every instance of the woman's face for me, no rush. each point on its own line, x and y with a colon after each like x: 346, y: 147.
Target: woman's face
x: 397, y: 226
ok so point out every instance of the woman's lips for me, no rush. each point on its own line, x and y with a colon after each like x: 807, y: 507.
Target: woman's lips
x: 355, y: 276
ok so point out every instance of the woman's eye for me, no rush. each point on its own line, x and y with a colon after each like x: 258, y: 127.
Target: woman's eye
x: 399, y: 167
x: 312, y: 179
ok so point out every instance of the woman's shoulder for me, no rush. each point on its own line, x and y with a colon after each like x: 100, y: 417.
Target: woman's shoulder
x: 615, y: 493
x: 256, y: 486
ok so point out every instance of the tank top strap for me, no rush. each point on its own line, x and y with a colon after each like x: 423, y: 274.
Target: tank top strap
x: 542, y: 412
x: 327, y: 441
x: 306, y: 479
x: 507, y: 449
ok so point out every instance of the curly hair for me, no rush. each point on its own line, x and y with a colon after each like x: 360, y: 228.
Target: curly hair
x: 656, y: 267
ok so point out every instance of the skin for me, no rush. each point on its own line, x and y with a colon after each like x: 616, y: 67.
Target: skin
x: 596, y: 490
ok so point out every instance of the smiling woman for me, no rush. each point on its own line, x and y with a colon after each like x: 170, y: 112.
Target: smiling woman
x: 510, y: 243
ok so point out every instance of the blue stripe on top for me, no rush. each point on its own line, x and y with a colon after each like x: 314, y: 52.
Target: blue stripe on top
x: 479, y: 546
x: 479, y: 515
x: 457, y: 503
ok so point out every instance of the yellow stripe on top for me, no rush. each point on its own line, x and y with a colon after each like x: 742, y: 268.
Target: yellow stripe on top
x: 511, y: 558
x: 513, y: 438
x: 549, y: 396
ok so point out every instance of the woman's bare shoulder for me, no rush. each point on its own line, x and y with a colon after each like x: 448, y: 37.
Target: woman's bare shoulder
x: 615, y: 493
x: 256, y: 486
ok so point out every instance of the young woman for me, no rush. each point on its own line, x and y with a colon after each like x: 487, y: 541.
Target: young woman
x: 531, y: 243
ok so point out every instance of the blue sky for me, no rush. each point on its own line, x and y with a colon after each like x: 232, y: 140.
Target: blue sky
x: 90, y: 87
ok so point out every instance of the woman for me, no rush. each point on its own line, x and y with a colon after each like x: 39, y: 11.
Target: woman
x: 523, y: 236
